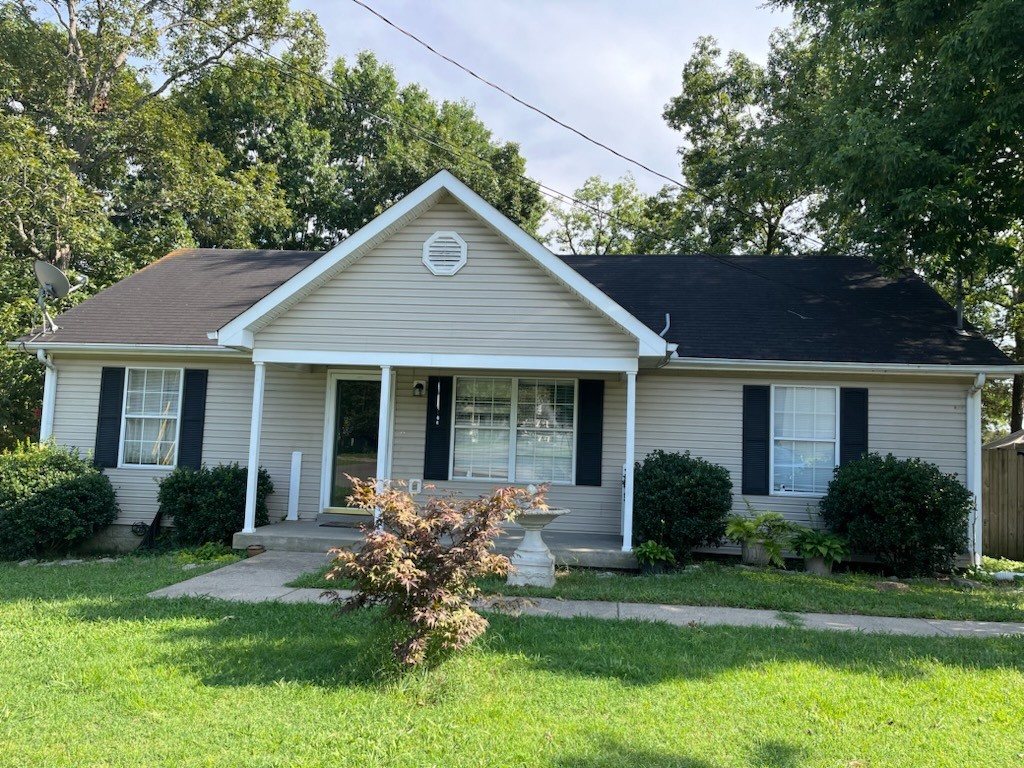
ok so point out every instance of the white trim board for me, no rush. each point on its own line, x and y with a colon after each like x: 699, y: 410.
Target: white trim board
x: 463, y: 362
x: 238, y: 332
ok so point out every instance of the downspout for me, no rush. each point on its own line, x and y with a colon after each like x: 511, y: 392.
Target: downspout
x: 49, y: 395
x: 974, y: 465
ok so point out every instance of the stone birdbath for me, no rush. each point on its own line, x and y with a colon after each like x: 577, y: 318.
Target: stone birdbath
x: 533, y: 565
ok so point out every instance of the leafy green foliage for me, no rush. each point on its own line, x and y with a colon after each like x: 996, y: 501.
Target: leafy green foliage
x: 50, y: 500
x: 651, y: 552
x: 680, y: 501
x: 421, y: 564
x: 906, y: 512
x: 208, y: 504
x: 815, y: 542
x: 769, y: 529
x: 614, y: 218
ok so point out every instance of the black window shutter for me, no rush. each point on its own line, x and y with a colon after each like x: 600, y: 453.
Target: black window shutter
x: 853, y: 424
x: 589, y: 432
x: 439, y: 427
x: 108, y: 420
x: 193, y: 419
x: 756, y: 426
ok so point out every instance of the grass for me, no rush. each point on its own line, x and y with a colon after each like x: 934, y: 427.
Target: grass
x: 93, y: 673
x: 714, y: 584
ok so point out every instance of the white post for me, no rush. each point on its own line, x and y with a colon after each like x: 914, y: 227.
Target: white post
x: 384, y: 425
x: 254, y: 448
x: 974, y: 466
x: 49, y: 403
x: 293, y: 486
x: 627, y: 501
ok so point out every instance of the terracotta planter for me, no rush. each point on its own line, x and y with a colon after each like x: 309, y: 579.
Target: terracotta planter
x: 255, y: 549
x: 818, y: 566
x: 754, y: 553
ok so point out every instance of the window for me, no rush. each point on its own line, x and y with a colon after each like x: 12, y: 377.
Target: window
x: 540, y: 447
x: 805, y: 429
x: 152, y: 405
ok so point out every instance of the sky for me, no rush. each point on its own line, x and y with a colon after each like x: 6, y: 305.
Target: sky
x: 606, y: 67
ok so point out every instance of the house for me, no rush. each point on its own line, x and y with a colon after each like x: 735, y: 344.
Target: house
x: 442, y: 345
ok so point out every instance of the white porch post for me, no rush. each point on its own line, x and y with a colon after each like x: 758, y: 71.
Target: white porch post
x: 384, y: 427
x: 49, y: 402
x: 627, y: 496
x: 254, y: 448
x: 974, y: 466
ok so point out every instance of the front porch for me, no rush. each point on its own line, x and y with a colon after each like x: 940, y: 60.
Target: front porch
x: 588, y: 550
x: 438, y: 430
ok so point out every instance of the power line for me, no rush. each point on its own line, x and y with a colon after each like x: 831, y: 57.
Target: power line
x: 597, y: 143
x: 284, y: 68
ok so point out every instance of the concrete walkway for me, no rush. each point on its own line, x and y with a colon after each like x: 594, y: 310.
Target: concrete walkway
x: 262, y: 578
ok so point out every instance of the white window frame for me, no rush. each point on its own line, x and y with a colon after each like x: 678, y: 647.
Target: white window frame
x: 124, y: 418
x: 514, y: 429
x: 772, y: 439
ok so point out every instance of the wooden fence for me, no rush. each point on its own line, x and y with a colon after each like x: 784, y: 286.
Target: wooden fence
x: 1002, y: 507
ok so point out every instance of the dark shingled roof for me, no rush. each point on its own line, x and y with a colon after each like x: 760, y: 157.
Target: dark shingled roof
x: 801, y: 308
x: 824, y: 308
x: 180, y: 298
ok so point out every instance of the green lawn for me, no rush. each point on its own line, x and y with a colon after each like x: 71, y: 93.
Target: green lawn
x: 93, y: 673
x: 713, y: 584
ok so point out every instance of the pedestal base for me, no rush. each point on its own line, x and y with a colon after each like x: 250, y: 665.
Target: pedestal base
x: 533, y: 565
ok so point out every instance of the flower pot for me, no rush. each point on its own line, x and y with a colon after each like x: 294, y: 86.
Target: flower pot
x: 653, y: 569
x: 255, y: 549
x: 818, y: 566
x: 754, y: 553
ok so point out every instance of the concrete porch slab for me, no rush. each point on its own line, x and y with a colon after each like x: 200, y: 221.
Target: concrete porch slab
x: 578, y: 549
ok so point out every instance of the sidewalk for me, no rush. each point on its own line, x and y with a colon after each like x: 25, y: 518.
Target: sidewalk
x: 262, y: 578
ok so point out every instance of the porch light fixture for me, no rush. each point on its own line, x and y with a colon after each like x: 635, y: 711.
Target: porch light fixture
x: 418, y: 389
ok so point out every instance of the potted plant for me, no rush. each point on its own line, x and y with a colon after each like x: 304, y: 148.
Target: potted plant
x: 820, y: 549
x: 760, y: 537
x: 654, y: 558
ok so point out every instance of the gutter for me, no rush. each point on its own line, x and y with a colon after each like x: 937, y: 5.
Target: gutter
x: 49, y: 395
x: 974, y: 471
x: 813, y: 366
x: 142, y: 349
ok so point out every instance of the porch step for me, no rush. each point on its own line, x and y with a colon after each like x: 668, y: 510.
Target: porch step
x: 343, y: 518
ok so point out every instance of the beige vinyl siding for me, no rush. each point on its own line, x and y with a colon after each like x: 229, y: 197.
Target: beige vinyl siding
x: 293, y: 420
x: 225, y: 434
x: 594, y: 509
x: 499, y: 303
x: 703, y: 415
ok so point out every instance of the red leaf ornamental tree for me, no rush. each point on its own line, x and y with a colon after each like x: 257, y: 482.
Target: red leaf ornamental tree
x: 421, y: 562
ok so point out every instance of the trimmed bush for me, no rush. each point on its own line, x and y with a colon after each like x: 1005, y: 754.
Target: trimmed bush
x: 208, y: 504
x: 906, y: 512
x: 51, y: 500
x: 680, y: 501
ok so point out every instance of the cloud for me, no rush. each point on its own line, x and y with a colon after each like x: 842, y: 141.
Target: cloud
x: 603, y: 66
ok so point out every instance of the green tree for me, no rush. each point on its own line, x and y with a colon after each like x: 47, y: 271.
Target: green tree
x: 915, y: 146
x: 609, y: 218
x: 746, y: 193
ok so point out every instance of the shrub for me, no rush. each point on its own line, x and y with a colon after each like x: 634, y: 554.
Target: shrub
x: 814, y: 542
x: 51, y: 500
x: 769, y: 529
x: 421, y: 564
x: 208, y: 504
x: 680, y: 501
x: 906, y: 512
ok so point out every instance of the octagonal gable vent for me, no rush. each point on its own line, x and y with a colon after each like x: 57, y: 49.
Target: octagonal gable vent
x: 444, y: 253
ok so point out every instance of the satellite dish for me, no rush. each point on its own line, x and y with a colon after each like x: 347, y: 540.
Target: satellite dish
x: 53, y: 284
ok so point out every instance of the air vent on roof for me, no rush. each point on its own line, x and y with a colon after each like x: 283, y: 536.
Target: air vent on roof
x: 444, y: 253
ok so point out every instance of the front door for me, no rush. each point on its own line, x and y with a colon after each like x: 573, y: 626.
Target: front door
x: 356, y: 420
